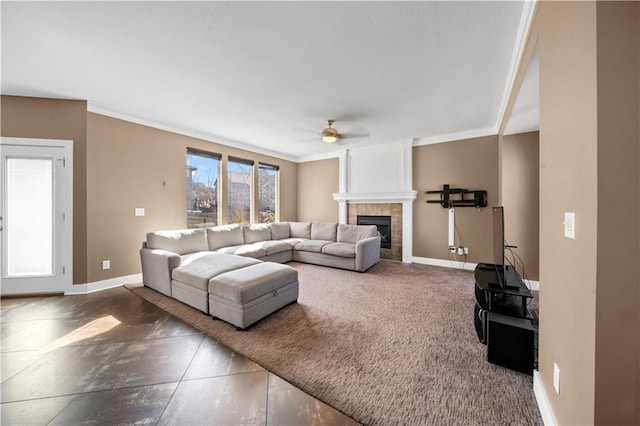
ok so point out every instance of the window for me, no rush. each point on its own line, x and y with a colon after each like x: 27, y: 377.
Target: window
x: 239, y: 178
x: 203, y: 175
x: 267, y: 192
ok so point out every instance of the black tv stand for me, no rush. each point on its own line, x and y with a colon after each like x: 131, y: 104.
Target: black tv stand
x: 507, y: 276
x: 506, y: 287
x: 503, y: 321
x: 486, y: 267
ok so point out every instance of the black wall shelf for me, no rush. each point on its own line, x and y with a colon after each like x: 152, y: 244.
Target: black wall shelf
x: 462, y: 197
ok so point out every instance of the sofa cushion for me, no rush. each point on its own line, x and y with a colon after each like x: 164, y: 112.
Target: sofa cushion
x: 274, y: 247
x: 324, y: 231
x: 280, y: 231
x: 190, y: 257
x: 224, y: 236
x: 257, y: 232
x: 251, y: 250
x: 293, y: 241
x: 228, y: 250
x: 312, y: 245
x: 340, y: 249
x: 354, y: 233
x: 300, y: 230
x: 180, y: 241
x: 198, y: 272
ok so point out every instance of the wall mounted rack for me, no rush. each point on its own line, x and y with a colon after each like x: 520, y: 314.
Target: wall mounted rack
x: 467, y: 198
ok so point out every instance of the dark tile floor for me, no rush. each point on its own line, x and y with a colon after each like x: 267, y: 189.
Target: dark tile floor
x: 113, y: 358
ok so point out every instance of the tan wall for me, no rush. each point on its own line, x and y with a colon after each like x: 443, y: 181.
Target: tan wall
x: 568, y: 183
x: 130, y: 166
x: 589, y: 137
x: 57, y: 119
x: 471, y: 164
x: 317, y: 181
x: 617, y: 328
x: 520, y: 194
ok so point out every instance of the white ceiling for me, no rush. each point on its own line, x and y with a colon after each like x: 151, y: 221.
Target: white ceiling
x: 267, y: 75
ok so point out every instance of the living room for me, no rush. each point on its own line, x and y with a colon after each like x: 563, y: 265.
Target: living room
x: 589, y: 309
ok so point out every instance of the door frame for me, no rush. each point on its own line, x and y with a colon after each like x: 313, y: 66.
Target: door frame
x: 65, y: 257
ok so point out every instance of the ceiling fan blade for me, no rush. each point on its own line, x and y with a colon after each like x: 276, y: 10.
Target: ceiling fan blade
x: 354, y: 135
x: 306, y: 130
x: 307, y: 139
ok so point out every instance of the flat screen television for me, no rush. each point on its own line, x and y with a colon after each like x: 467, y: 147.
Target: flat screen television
x: 502, y: 270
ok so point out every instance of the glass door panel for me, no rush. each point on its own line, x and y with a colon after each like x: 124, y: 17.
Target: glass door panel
x: 29, y: 221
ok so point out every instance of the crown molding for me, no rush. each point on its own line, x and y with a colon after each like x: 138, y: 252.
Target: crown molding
x: 316, y: 157
x: 451, y: 137
x: 105, y: 110
x: 526, y: 21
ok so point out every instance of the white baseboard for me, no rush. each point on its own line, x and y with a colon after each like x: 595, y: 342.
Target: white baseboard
x: 445, y: 263
x: 533, y: 285
x: 103, y: 285
x: 543, y: 402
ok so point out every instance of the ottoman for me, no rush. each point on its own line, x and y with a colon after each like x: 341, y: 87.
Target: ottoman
x: 246, y: 295
x: 190, y: 281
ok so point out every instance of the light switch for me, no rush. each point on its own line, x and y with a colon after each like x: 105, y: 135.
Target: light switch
x: 139, y: 211
x: 570, y: 225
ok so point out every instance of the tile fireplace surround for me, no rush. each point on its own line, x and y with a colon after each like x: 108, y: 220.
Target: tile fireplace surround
x: 390, y: 209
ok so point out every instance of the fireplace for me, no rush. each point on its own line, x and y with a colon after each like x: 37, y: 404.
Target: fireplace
x: 384, y: 227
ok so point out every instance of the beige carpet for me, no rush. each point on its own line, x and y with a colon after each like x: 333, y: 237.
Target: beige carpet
x: 395, y: 345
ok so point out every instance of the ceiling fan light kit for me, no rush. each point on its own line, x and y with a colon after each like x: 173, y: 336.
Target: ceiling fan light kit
x: 330, y: 135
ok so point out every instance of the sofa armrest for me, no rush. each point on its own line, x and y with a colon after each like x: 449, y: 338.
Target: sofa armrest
x: 367, y: 253
x: 157, y: 266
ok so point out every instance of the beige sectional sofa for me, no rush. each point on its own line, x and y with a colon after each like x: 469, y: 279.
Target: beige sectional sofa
x: 217, y: 270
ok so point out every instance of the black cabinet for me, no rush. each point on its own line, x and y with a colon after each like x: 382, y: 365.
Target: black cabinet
x: 502, y: 320
x: 510, y: 342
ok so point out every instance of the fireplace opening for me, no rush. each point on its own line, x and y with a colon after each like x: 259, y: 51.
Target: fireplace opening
x: 384, y: 227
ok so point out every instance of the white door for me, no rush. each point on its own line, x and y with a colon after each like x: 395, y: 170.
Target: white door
x: 36, y: 220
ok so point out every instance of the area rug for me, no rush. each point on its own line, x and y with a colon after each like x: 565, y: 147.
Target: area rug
x: 395, y: 345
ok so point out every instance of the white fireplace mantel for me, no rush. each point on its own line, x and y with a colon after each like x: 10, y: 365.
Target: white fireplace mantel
x: 375, y: 197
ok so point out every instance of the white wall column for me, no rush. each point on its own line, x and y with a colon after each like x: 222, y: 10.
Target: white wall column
x: 342, y: 212
x: 407, y: 231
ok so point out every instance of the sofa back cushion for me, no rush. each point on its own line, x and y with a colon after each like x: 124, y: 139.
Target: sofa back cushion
x: 280, y: 231
x: 182, y: 241
x: 354, y: 233
x: 324, y: 231
x: 224, y: 236
x: 300, y: 230
x: 256, y: 233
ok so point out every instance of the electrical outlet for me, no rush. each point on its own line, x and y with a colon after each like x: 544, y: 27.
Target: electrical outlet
x: 460, y: 251
x: 452, y: 249
x: 465, y: 250
x: 556, y: 378
x: 139, y: 211
x: 106, y: 264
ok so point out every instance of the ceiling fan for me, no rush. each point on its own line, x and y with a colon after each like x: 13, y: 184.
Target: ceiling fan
x: 331, y: 135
